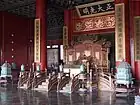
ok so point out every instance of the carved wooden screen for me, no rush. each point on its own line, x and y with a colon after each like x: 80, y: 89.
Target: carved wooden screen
x: 52, y: 57
x: 88, y: 48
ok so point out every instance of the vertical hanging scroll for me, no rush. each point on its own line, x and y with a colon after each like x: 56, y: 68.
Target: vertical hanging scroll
x: 37, y: 41
x: 120, y: 32
x: 137, y: 37
x: 65, y: 41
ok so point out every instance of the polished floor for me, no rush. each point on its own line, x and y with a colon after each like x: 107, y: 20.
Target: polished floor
x: 14, y: 96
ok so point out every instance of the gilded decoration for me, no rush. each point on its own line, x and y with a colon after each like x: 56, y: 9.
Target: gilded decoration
x: 137, y: 37
x: 96, y: 9
x: 95, y: 23
x: 120, y: 32
x: 92, y: 48
x: 37, y: 41
x: 90, y: 38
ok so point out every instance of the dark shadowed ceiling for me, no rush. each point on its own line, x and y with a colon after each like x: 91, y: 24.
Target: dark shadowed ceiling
x: 55, y: 12
x: 27, y: 7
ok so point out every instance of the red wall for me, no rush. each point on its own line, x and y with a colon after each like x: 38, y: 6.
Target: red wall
x: 22, y: 29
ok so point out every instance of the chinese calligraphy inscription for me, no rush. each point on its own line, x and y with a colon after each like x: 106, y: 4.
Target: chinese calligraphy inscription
x: 65, y: 41
x: 37, y: 41
x: 98, y: 8
x: 137, y: 37
x: 120, y: 32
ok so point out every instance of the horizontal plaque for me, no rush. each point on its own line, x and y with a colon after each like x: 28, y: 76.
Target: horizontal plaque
x: 96, y: 8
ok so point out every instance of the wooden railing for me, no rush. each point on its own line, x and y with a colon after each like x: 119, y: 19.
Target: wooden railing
x: 23, y: 78
x: 107, y: 79
x: 41, y: 77
x: 62, y: 81
x: 30, y: 79
x: 53, y: 83
x: 75, y: 83
x: 38, y: 79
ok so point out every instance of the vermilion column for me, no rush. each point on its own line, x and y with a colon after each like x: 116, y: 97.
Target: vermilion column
x: 41, y: 12
x: 126, y: 31
x: 68, y: 23
x: 134, y: 12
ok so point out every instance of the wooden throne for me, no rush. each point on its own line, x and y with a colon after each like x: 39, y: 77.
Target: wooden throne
x: 96, y: 48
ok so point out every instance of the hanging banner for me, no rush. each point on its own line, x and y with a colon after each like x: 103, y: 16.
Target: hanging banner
x: 96, y: 8
x: 65, y: 37
x: 120, y: 32
x: 65, y: 42
x: 137, y: 37
x: 37, y: 41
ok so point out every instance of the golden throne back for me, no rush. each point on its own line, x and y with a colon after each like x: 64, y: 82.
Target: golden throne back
x: 94, y: 51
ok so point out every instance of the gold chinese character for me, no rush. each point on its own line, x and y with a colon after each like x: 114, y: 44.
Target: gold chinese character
x: 119, y: 39
x: 37, y: 46
x: 100, y: 9
x: 120, y: 50
x: 86, y: 11
x: 120, y: 35
x: 119, y: 29
x: 119, y: 19
x: 137, y: 39
x: 138, y: 48
x: 37, y: 38
x: 37, y: 41
x: 92, y: 10
x: 138, y: 52
x: 120, y: 24
x: 137, y: 29
x: 120, y: 56
x: 120, y: 45
x: 109, y: 7
x: 138, y: 44
x: 119, y: 9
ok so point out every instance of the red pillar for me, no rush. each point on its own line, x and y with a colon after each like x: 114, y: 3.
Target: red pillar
x: 126, y: 30
x: 68, y: 23
x: 41, y: 12
x: 134, y: 12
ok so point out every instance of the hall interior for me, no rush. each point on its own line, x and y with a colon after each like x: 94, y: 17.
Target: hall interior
x: 69, y: 52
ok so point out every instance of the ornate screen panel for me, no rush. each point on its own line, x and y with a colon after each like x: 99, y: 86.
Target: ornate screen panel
x: 52, y: 57
x: 86, y: 50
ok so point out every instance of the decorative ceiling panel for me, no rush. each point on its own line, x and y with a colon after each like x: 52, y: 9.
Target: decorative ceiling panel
x: 27, y: 10
x: 27, y: 7
x: 11, y: 4
x: 55, y: 18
